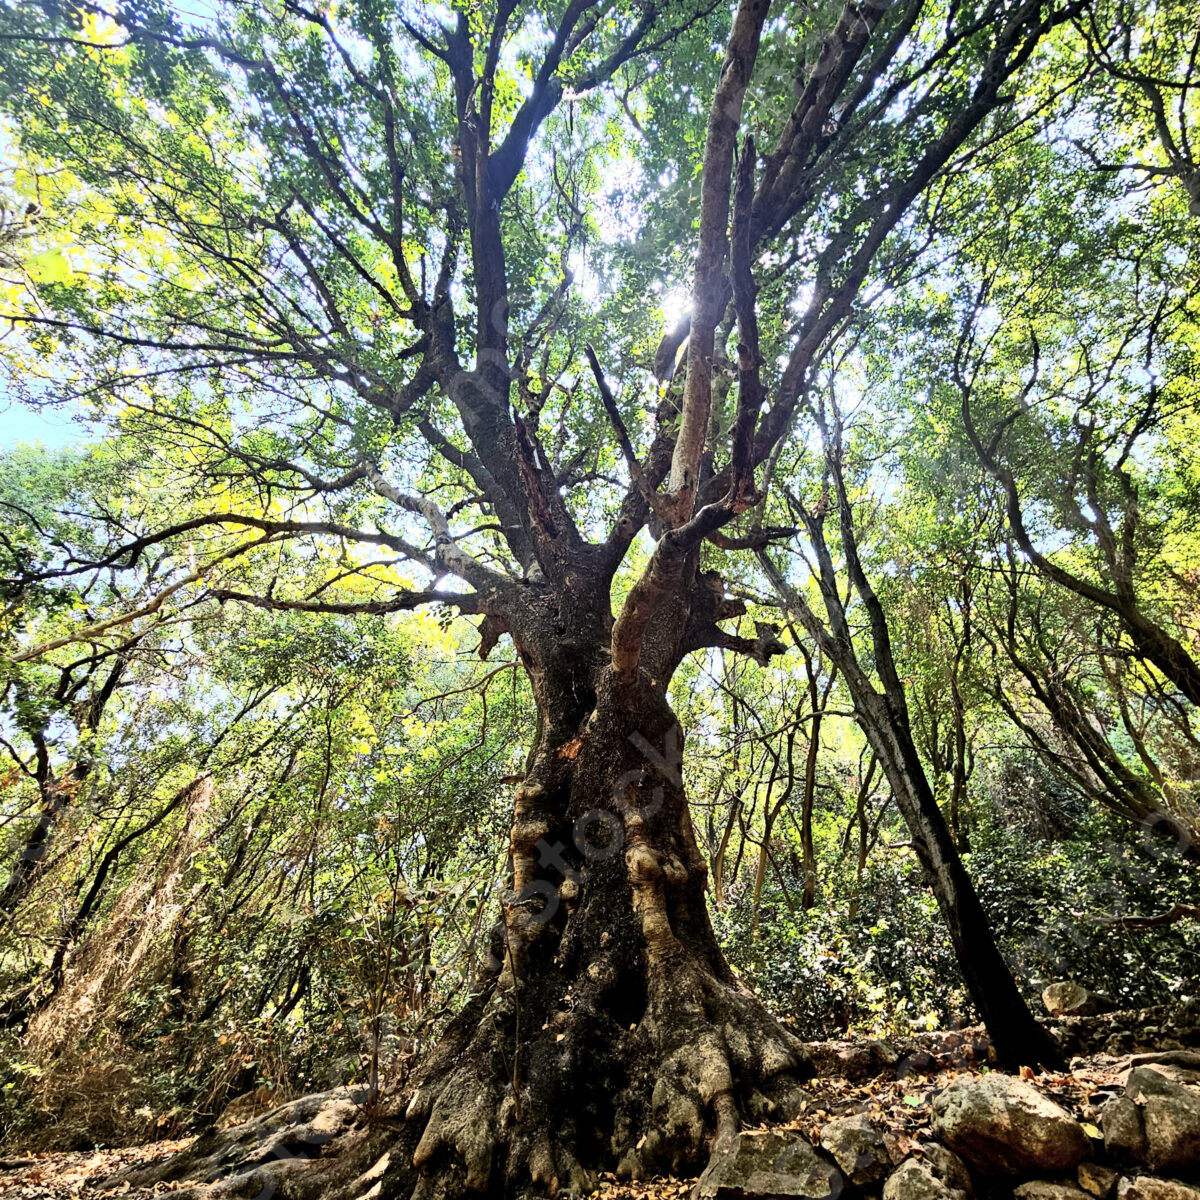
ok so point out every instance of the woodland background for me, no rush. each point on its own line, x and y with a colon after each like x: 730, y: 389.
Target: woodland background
x: 314, y: 912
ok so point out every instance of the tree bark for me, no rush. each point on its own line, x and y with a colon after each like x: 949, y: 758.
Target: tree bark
x: 619, y: 1029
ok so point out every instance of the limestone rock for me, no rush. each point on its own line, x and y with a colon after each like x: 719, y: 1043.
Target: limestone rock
x: 1146, y: 1188
x: 1006, y: 1126
x: 914, y: 1180
x: 1170, y: 1117
x: 857, y: 1147
x: 885, y: 1052
x: 1124, y: 1134
x: 1073, y: 1000
x: 939, y: 1175
x: 948, y: 1167
x: 851, y: 1060
x: 1044, y: 1190
x: 1188, y: 1076
x: 1173, y: 1131
x: 1144, y: 1082
x: 776, y: 1164
x: 1097, y: 1179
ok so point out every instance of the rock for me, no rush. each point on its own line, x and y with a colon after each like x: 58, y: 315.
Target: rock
x: 1073, y: 1000
x: 1006, y: 1126
x: 1044, y: 1190
x: 1124, y: 1134
x: 919, y: 1062
x: 857, y: 1147
x: 885, y: 1052
x: 914, y: 1180
x: 1096, y: 1179
x: 774, y: 1164
x: 948, y: 1167
x: 851, y: 1060
x: 1170, y: 1117
x: 1145, y: 1188
x: 1188, y: 1076
x: 1143, y: 1082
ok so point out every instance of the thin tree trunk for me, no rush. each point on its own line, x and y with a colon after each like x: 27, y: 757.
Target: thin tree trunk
x: 1018, y: 1038
x: 809, y: 896
x: 56, y: 792
x: 860, y: 815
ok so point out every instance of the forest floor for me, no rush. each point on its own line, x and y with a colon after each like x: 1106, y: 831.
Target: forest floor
x: 894, y: 1082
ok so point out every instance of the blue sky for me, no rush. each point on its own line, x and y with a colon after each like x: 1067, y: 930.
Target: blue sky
x: 51, y: 427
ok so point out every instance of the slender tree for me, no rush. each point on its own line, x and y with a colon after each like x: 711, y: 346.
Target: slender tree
x: 882, y: 712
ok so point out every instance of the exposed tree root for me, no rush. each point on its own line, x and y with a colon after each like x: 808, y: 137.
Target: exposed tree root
x: 271, y: 1155
x: 591, y: 1097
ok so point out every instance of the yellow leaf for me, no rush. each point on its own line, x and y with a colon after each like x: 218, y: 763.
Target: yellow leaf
x: 51, y: 266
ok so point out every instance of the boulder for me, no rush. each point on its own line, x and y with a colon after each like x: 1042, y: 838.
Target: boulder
x: 1188, y: 1076
x: 1006, y: 1126
x: 939, y: 1175
x: 1096, y: 1179
x: 1124, y: 1134
x: 1145, y: 1188
x: 914, y: 1180
x: 857, y: 1147
x: 1170, y: 1117
x: 780, y: 1164
x: 948, y: 1167
x: 1143, y: 1082
x: 1039, y: 1189
x: 1073, y: 1000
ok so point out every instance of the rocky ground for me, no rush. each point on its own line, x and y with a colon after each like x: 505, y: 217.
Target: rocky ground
x: 922, y: 1118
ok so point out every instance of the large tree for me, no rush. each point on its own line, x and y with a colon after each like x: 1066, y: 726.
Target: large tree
x: 388, y: 284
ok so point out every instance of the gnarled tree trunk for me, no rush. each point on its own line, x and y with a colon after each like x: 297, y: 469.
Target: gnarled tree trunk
x: 614, y: 1030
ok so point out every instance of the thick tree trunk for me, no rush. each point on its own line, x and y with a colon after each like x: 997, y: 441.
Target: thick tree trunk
x: 615, y: 1032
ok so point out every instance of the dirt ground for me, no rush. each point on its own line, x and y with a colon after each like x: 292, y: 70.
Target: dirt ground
x: 899, y: 1106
